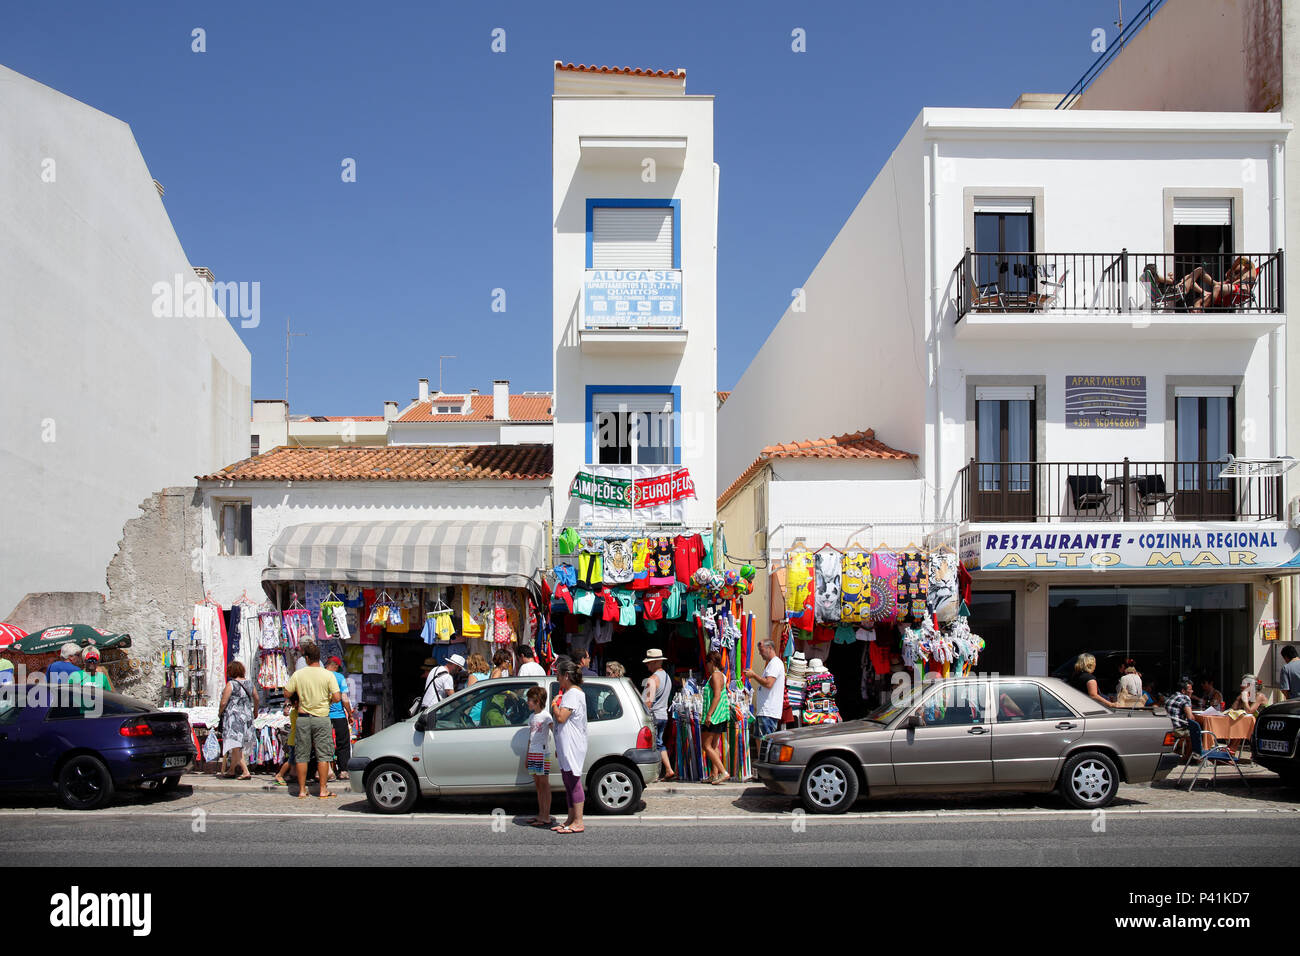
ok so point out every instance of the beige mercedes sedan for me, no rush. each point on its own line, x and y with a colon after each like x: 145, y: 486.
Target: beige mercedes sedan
x: 983, y: 733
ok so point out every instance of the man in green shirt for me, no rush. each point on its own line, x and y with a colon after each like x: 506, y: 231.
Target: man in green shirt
x: 91, y: 674
x: 316, y: 689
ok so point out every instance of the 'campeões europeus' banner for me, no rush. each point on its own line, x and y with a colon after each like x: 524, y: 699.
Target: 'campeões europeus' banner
x: 633, y: 493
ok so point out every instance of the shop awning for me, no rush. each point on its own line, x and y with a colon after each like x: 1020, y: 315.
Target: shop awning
x: 500, y: 553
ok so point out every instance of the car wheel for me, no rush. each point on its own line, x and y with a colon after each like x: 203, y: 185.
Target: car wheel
x: 391, y: 788
x: 615, y: 789
x: 84, y: 783
x: 1090, y: 780
x: 829, y: 786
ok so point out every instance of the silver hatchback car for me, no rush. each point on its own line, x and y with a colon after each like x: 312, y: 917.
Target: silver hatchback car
x: 980, y: 733
x: 476, y: 742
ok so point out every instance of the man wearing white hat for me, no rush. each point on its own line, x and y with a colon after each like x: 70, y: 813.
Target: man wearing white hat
x: 440, y: 681
x: 657, y: 691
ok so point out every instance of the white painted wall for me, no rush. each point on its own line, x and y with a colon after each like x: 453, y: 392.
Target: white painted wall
x: 278, y: 505
x: 468, y: 433
x: 104, y: 403
x: 694, y: 370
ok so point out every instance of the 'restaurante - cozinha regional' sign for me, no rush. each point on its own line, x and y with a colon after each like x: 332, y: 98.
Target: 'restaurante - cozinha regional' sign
x: 1186, y: 545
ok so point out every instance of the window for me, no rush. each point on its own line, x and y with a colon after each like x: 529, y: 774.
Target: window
x: 633, y: 234
x: 493, y: 705
x: 1004, y: 450
x: 1203, y: 432
x: 235, y: 528
x: 1053, y: 709
x: 955, y: 705
x: 1004, y: 237
x: 631, y: 428
x: 602, y: 701
x: 1202, y: 234
x: 255, y: 446
x: 1018, y: 701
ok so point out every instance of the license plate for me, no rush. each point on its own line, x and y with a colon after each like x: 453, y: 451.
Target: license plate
x: 1275, y: 746
x: 175, y: 761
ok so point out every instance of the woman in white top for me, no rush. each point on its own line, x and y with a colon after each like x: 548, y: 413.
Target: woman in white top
x: 569, y: 711
x: 1129, y: 692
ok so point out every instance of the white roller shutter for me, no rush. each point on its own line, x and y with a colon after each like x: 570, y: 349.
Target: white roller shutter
x: 1202, y: 211
x: 1004, y: 393
x: 631, y: 238
x: 611, y: 402
x: 1203, y: 391
x: 1004, y: 204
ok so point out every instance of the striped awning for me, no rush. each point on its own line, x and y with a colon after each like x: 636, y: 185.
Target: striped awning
x: 500, y: 553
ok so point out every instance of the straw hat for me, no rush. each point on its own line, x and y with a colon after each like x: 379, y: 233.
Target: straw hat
x: 653, y: 654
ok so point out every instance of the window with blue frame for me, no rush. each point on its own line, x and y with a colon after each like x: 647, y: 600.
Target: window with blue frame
x: 634, y: 234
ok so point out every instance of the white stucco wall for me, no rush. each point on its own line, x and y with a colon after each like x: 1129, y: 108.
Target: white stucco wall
x: 469, y: 433
x: 695, y: 369
x: 104, y: 403
x: 279, y: 505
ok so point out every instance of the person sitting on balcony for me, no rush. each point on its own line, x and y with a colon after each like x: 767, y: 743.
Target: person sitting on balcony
x: 1235, y: 290
x: 1084, y: 678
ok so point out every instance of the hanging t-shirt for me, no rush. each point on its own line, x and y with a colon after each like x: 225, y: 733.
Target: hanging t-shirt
x: 706, y: 540
x: 884, y: 587
x: 855, y: 588
x: 798, y: 581
x: 913, y: 574
x: 618, y: 556
x: 941, y: 600
x: 626, y: 607
x: 662, y: 574
x: 653, y: 602
x: 608, y: 605
x: 688, y: 556
x: 590, y: 568
x: 827, y: 581
x: 673, y: 602
x: 567, y: 543
x: 641, y: 563
x: 583, y: 601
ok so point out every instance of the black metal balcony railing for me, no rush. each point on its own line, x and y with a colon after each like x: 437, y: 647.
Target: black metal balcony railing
x: 1117, y: 282
x: 1114, y: 491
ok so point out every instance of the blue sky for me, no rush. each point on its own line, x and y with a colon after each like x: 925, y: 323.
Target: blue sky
x: 452, y: 145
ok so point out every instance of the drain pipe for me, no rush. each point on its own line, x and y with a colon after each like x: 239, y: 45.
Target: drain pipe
x: 936, y: 331
x: 1288, y: 592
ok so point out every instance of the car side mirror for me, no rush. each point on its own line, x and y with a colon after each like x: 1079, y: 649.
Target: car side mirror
x: 422, y: 722
x: 913, y: 720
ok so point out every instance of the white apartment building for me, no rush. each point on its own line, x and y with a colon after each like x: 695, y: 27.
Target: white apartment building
x: 105, y: 399
x: 634, y: 282
x: 1023, y: 299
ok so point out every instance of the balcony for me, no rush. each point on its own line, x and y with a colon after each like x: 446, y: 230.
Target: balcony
x: 1041, y: 294
x: 1029, y: 491
x: 637, y: 310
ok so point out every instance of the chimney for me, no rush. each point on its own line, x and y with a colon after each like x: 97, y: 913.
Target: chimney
x: 473, y: 391
x: 424, y: 389
x: 501, y: 399
x: 390, y: 411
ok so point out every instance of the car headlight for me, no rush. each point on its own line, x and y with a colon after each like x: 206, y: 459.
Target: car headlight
x: 784, y: 754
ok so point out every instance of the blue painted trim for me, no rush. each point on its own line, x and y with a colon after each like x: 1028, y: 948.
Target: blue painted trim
x: 674, y: 390
x: 674, y: 204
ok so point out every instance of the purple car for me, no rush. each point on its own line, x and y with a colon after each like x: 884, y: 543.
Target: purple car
x: 84, y: 749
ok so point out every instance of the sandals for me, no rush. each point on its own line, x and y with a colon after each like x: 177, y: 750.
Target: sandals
x: 329, y: 795
x: 280, y: 783
x: 548, y: 824
x: 569, y: 830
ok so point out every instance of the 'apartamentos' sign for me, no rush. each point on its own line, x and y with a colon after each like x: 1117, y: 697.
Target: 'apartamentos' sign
x: 1062, y: 547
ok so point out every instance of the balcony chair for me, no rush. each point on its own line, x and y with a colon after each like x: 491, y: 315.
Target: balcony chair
x: 1088, y: 494
x: 986, y: 297
x: 1151, y: 492
x: 1049, y: 287
x: 1164, y: 296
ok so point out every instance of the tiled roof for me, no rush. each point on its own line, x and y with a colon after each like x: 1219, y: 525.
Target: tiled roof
x: 722, y: 398
x: 523, y: 408
x: 859, y: 444
x: 393, y: 463
x: 625, y: 70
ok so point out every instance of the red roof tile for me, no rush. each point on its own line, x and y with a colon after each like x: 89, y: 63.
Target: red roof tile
x: 625, y: 70
x: 393, y: 463
x: 859, y: 444
x: 722, y: 398
x: 523, y: 408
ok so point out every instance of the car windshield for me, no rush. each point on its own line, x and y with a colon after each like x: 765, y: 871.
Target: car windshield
x: 899, y: 702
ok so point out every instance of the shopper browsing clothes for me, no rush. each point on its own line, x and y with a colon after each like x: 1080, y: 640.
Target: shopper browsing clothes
x: 717, y: 713
x: 341, y: 720
x: 539, y: 764
x: 569, y: 712
x: 238, y: 710
x: 316, y: 690
x: 658, y: 690
x: 769, y: 695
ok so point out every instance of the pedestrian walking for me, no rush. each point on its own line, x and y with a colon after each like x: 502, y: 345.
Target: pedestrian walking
x: 316, y: 689
x: 658, y: 690
x: 539, y: 764
x: 569, y: 712
x: 341, y: 720
x: 1290, y: 672
x: 769, y: 694
x: 237, y: 711
x: 717, y: 714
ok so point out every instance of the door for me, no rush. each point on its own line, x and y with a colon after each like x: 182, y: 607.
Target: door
x: 1203, y: 439
x: 1202, y: 235
x: 17, y: 755
x: 953, y: 747
x: 479, y: 739
x: 1031, y: 731
x: 1004, y: 243
x: 1004, y: 440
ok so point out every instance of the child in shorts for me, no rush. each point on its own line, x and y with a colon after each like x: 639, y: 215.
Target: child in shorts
x: 539, y: 740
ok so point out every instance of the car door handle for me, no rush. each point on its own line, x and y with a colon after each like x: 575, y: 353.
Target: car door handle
x: 977, y: 730
x: 1065, y: 725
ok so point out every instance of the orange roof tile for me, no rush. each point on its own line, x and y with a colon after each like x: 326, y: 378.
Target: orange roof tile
x: 523, y: 408
x: 626, y: 70
x: 722, y: 398
x: 393, y: 463
x: 859, y: 444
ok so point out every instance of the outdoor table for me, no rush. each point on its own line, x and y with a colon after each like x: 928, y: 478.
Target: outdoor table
x: 1226, y: 729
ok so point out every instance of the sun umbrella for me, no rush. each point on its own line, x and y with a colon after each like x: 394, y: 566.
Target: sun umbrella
x: 83, y: 635
x: 10, y: 633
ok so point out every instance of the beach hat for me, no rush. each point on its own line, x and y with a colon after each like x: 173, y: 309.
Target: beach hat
x: 653, y: 654
x: 457, y: 660
x: 816, y: 666
x: 430, y: 663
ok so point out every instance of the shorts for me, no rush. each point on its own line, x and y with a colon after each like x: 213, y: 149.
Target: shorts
x: 314, y: 731
x: 538, y: 765
x: 659, y: 734
x: 573, y: 788
x: 768, y: 725
x: 714, y: 728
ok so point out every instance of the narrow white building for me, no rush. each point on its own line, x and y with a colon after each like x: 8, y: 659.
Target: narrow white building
x: 111, y: 389
x: 1073, y: 318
